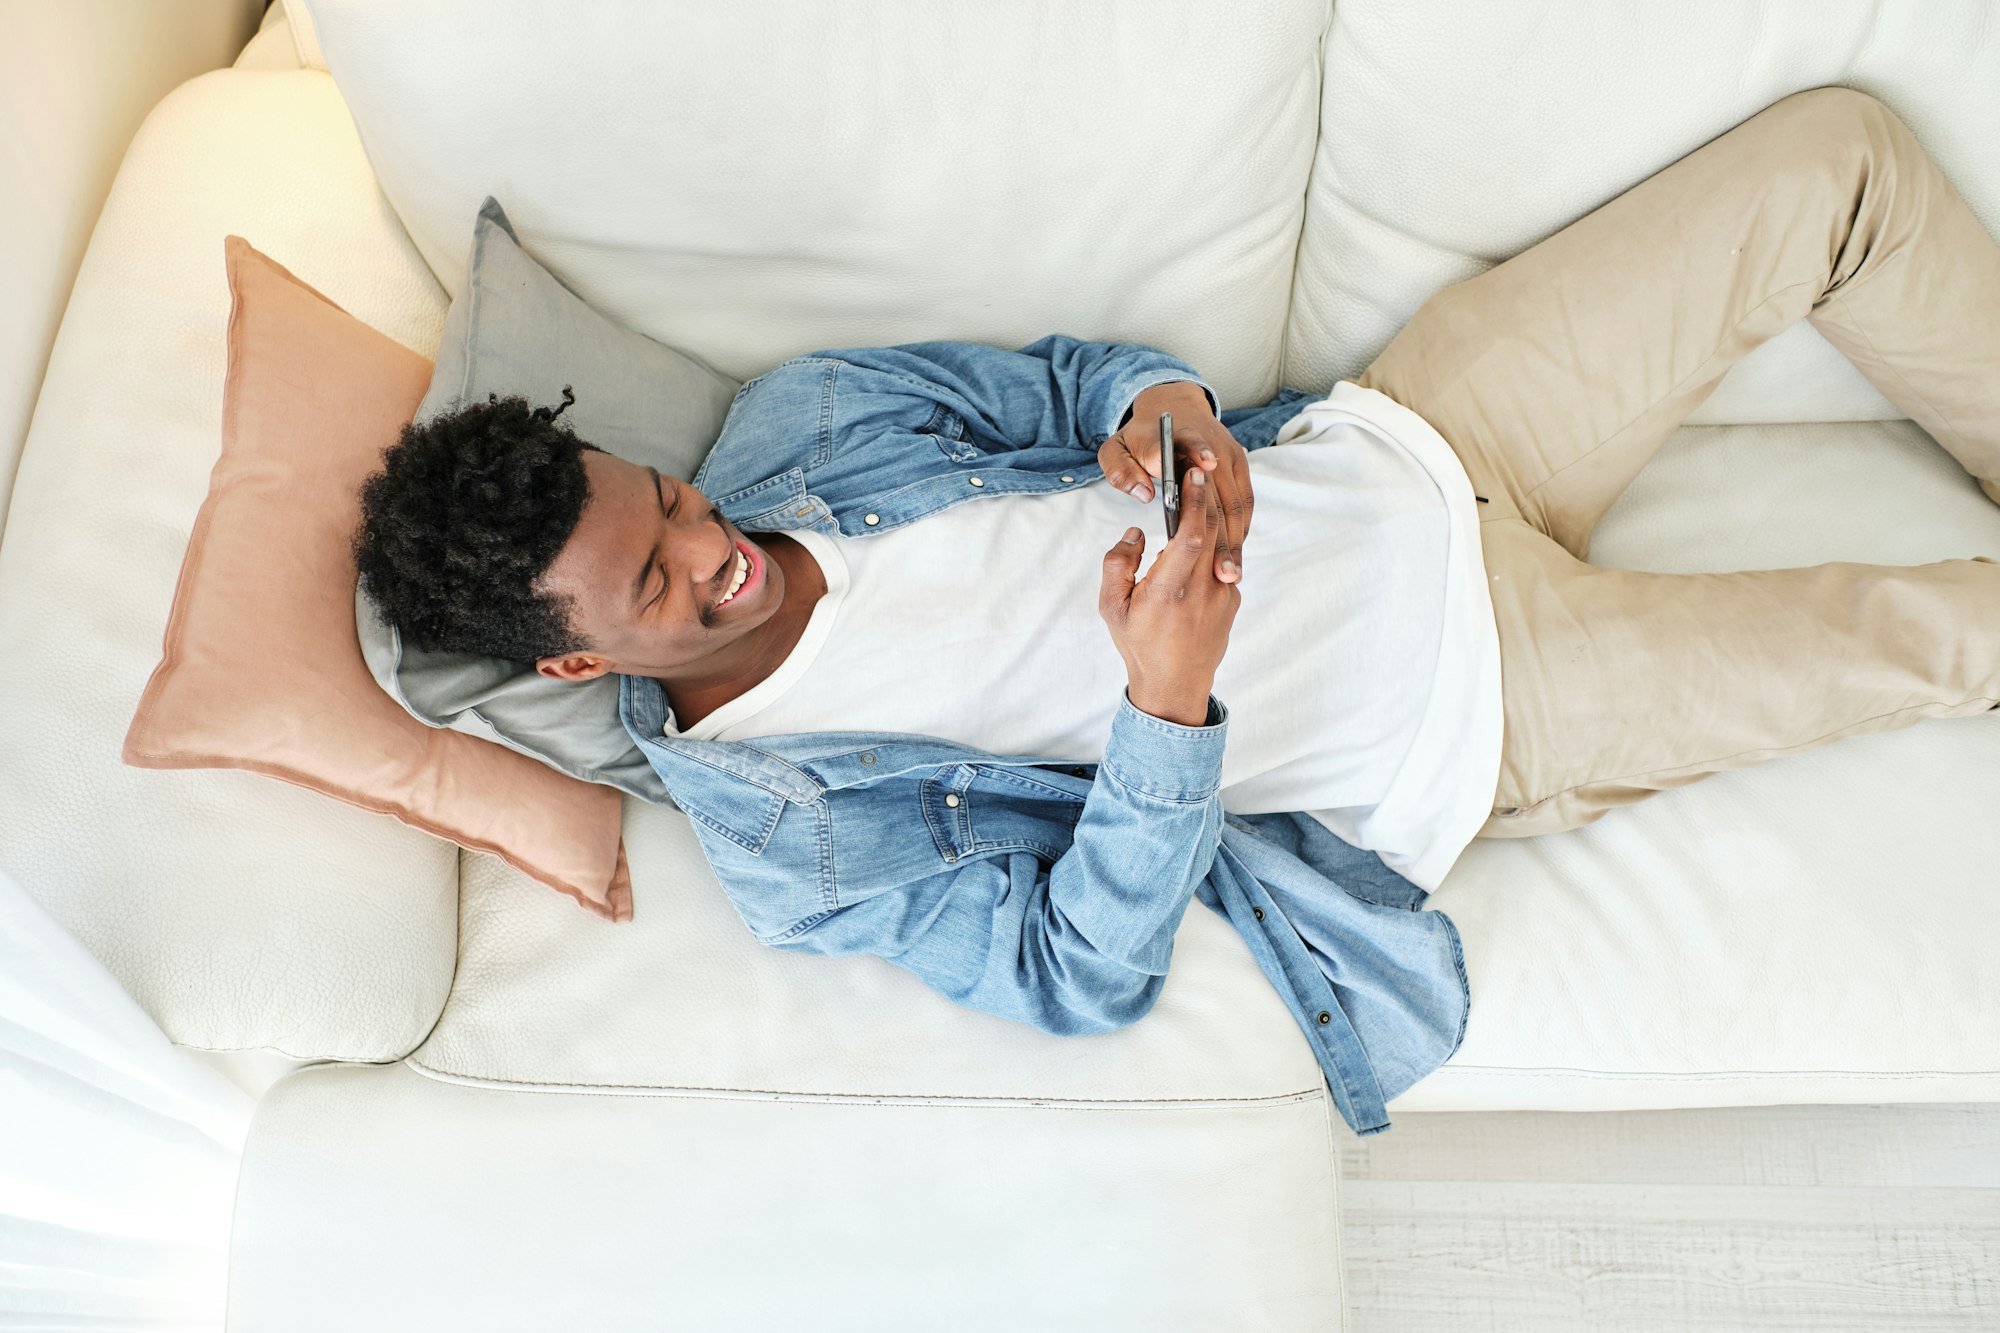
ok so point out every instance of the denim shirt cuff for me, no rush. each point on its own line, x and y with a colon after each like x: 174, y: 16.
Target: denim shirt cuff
x: 1127, y: 394
x: 1163, y: 759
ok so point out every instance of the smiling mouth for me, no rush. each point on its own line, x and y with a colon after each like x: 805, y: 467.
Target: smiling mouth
x: 740, y: 568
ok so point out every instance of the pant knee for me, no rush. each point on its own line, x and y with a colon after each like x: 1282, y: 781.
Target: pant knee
x: 1841, y: 119
x: 1835, y: 99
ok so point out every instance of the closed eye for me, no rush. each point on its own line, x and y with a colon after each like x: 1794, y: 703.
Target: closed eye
x: 667, y: 511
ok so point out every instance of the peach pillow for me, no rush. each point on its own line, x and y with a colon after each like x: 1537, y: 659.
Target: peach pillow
x: 261, y: 666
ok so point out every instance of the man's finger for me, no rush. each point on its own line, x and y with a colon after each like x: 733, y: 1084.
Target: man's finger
x: 1237, y: 503
x: 1186, y: 553
x: 1132, y: 475
x: 1247, y: 497
x: 1121, y: 563
x: 1222, y: 481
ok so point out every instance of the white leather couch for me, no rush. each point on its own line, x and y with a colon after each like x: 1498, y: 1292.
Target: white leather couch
x: 507, y: 1114
x: 76, y: 79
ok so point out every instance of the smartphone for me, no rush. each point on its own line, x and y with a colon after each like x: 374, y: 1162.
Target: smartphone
x: 1170, y: 487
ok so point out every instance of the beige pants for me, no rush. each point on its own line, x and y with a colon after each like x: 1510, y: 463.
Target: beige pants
x: 1556, y: 375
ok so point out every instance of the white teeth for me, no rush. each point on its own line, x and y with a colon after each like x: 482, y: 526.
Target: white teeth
x: 742, y: 573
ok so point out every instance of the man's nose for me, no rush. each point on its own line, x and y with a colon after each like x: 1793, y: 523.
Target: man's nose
x: 706, y: 548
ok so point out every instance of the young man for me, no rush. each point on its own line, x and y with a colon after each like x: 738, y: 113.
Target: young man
x: 909, y: 738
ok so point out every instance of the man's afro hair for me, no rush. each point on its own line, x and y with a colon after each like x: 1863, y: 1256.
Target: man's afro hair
x: 470, y: 508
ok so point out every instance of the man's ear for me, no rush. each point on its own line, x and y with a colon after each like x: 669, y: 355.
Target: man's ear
x: 573, y: 666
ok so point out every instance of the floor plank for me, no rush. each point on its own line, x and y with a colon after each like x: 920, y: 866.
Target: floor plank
x: 1764, y: 1218
x: 1948, y: 1144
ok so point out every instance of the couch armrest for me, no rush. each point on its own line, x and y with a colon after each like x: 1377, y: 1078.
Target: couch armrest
x: 241, y: 912
x: 75, y: 81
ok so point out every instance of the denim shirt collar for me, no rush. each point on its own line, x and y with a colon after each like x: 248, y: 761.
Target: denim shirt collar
x: 737, y: 788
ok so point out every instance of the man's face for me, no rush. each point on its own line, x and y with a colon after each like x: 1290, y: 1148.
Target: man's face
x: 644, y: 570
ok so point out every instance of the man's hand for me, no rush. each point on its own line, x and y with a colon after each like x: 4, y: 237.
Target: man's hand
x: 1131, y: 461
x: 1172, y: 626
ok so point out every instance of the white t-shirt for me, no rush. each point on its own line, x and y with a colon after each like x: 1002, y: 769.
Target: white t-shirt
x: 1362, y: 673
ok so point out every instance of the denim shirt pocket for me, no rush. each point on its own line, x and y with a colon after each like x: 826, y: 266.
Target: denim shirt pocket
x: 948, y: 429
x: 979, y: 809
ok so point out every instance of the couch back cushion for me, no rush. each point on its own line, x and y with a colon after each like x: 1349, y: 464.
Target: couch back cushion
x: 752, y: 181
x: 1457, y: 135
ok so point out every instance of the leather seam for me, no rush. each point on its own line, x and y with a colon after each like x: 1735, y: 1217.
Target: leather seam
x: 869, y: 1098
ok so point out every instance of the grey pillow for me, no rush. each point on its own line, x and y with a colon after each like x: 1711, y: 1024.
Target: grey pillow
x: 516, y: 329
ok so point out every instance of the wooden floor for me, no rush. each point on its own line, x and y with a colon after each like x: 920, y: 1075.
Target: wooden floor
x: 1768, y: 1217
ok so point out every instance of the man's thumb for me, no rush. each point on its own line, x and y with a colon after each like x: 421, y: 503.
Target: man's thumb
x: 1120, y: 563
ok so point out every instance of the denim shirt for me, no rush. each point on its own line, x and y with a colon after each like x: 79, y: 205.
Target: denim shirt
x: 1044, y: 891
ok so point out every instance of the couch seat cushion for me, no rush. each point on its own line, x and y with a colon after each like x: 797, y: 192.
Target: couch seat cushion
x: 683, y: 999
x: 474, y: 1208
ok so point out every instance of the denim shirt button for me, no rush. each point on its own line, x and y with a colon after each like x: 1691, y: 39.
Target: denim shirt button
x: 977, y: 481
x: 1068, y: 477
x: 1325, y: 1017
x: 951, y: 856
x: 872, y: 519
x: 803, y: 512
x: 951, y: 799
x: 868, y: 758
x: 1259, y: 911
